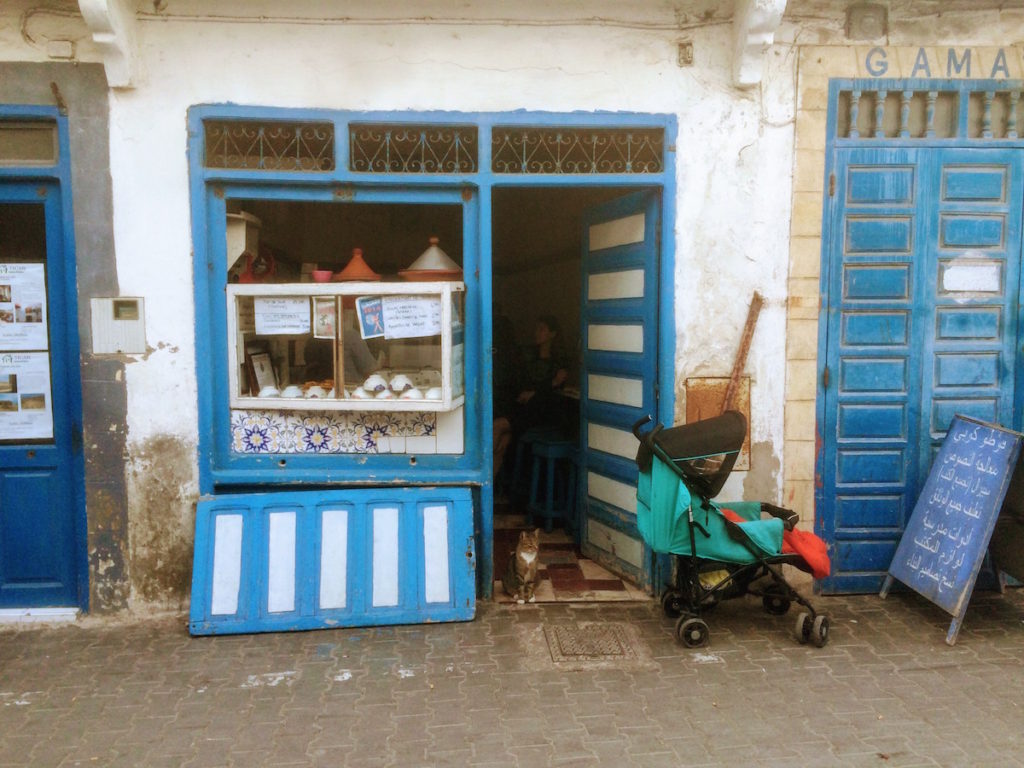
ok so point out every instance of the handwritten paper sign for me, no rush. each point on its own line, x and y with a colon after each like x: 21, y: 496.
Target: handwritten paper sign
x: 411, y: 317
x: 282, y: 316
x: 948, y: 534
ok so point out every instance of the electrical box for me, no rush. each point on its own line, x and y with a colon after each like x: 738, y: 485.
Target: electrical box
x: 118, y: 326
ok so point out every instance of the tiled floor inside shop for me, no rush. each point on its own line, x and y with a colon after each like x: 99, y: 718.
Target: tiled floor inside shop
x: 564, y: 575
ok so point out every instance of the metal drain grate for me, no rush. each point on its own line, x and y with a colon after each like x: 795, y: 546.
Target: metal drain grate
x: 592, y: 642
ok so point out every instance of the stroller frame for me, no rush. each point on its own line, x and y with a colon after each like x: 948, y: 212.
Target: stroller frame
x: 693, y: 593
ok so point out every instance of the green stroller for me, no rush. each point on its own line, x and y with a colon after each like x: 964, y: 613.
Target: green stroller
x: 722, y: 551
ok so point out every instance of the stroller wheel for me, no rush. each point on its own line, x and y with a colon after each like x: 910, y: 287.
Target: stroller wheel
x: 819, y: 632
x: 775, y: 603
x: 693, y: 633
x: 672, y: 604
x: 803, y: 627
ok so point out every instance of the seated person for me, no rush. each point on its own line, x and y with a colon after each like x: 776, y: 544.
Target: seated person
x: 544, y: 372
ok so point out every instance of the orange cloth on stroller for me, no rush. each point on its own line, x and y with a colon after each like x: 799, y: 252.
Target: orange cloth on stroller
x: 808, y: 545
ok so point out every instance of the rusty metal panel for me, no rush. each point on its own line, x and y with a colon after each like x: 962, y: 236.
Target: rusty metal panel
x: 704, y: 398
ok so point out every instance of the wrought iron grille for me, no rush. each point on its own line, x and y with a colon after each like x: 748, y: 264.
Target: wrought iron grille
x: 381, y: 148
x: 950, y: 111
x: 269, y: 146
x: 577, y: 150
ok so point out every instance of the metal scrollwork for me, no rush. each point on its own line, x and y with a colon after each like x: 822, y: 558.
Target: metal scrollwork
x: 577, y: 150
x: 412, y: 149
x: 269, y: 146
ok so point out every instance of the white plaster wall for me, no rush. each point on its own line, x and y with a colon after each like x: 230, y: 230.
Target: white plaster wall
x: 732, y: 227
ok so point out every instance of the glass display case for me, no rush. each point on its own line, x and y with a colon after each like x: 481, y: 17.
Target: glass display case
x: 350, y: 346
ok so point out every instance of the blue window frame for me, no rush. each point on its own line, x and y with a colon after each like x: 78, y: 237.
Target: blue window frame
x: 211, y: 190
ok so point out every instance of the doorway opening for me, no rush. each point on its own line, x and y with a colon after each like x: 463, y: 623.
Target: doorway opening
x: 555, y: 251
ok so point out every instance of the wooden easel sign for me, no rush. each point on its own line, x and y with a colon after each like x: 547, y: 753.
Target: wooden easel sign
x: 948, y: 534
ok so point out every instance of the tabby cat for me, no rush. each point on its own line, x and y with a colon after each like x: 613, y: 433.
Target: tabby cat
x: 520, y: 579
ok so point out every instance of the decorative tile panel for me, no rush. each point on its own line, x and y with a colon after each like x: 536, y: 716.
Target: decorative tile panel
x: 255, y: 432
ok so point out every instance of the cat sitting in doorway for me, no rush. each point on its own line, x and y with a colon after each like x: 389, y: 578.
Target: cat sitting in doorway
x: 520, y: 579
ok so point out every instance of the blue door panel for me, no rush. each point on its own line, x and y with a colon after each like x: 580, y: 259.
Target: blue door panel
x: 921, y: 269
x: 312, y: 559
x: 608, y: 530
x: 41, y: 544
x: 876, y: 234
x: 974, y: 184
x: 960, y: 231
x: 863, y: 511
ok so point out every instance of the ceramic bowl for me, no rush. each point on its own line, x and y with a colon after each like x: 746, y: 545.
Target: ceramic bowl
x: 269, y: 391
x: 361, y: 394
x: 434, y: 393
x: 292, y: 391
x: 375, y: 383
x: 400, y: 383
x: 322, y: 275
x: 411, y: 394
x: 385, y: 394
x: 315, y: 392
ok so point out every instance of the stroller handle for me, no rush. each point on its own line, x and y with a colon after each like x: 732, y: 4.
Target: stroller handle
x: 638, y: 424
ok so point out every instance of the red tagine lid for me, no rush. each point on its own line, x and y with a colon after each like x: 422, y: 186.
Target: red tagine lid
x: 356, y: 269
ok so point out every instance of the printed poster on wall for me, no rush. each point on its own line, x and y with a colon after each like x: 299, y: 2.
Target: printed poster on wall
x: 22, y: 306
x: 26, y: 412
x: 282, y: 316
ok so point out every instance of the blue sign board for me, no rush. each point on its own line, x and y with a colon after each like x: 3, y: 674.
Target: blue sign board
x: 947, y: 537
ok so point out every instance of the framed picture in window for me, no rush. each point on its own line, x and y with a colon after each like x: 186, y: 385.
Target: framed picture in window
x: 325, y: 312
x: 260, y: 370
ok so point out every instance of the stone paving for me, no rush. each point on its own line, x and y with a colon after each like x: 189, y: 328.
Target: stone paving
x: 886, y: 691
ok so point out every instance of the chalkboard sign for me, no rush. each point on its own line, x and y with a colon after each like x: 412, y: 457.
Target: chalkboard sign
x: 948, y: 534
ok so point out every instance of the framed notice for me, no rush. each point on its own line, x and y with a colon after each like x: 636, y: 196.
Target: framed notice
x: 325, y: 312
x: 23, y: 307
x: 26, y: 410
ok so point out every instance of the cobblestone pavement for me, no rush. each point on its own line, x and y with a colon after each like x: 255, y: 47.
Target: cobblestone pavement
x: 886, y: 691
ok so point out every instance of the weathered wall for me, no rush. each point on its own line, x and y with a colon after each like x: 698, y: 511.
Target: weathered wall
x: 735, y: 152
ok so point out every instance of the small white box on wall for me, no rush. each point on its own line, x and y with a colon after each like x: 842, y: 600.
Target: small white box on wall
x: 118, y: 326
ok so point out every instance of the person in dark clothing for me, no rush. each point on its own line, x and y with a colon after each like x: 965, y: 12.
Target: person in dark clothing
x: 545, y: 371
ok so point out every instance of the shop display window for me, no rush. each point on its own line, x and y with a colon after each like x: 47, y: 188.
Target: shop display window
x: 355, y: 346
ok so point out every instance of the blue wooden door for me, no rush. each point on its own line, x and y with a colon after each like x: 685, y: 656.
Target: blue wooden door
x: 921, y: 270
x: 620, y: 371
x: 40, y: 438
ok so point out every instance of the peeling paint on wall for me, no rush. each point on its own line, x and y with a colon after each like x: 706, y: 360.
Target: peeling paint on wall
x: 162, y: 490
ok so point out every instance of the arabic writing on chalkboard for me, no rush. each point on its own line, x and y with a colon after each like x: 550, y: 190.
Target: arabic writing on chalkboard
x: 948, y: 534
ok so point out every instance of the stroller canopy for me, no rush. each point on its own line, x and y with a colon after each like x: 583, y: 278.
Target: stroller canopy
x: 704, y: 451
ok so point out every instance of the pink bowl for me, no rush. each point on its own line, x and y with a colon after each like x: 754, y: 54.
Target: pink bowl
x: 322, y: 275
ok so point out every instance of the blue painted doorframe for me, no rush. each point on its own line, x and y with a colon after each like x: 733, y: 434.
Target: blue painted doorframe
x: 921, y: 278
x: 43, y: 558
x: 210, y: 186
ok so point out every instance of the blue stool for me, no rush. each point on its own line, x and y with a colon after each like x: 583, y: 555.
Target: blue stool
x: 520, y: 484
x: 556, y: 459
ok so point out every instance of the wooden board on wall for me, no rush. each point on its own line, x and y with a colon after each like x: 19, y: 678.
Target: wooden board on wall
x: 704, y: 398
